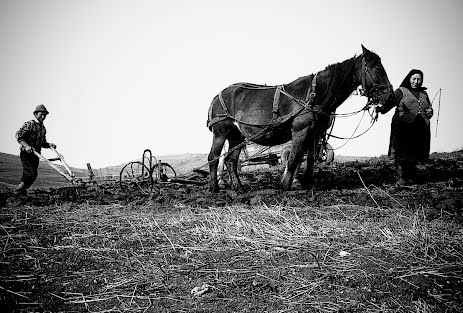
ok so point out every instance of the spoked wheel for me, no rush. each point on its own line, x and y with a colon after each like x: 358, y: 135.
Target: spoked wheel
x: 136, y: 176
x: 166, y: 172
x: 284, y: 157
x: 326, y: 154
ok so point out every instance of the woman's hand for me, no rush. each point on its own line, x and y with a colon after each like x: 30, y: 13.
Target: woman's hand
x: 380, y: 109
x: 429, y: 112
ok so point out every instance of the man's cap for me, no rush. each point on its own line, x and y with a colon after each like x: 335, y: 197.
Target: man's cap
x: 41, y: 108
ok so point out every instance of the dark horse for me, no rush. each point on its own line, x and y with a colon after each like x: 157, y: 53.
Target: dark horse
x: 298, y: 111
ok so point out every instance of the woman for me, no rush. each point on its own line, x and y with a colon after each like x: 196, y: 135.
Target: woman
x: 410, y: 129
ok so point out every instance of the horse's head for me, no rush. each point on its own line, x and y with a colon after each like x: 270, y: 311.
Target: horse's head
x: 374, y: 80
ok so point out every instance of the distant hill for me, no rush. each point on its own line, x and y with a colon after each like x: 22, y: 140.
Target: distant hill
x: 182, y: 163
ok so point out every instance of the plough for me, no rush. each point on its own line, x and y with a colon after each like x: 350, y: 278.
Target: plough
x: 69, y: 175
x: 138, y: 174
x: 64, y: 170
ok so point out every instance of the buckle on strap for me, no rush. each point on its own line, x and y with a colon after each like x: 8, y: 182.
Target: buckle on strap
x: 311, y: 91
x: 276, y: 98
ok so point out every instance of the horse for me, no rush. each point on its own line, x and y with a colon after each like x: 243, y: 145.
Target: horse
x: 297, y: 111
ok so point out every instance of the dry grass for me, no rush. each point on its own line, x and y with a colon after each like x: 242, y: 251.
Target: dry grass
x: 277, y: 258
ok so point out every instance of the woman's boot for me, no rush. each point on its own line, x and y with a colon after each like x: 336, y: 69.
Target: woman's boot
x: 400, y: 170
x: 412, y: 173
x: 20, y: 190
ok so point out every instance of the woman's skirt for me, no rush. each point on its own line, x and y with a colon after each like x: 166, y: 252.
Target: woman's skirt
x: 410, y: 141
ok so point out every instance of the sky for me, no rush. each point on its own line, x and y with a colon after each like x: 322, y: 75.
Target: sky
x: 121, y: 76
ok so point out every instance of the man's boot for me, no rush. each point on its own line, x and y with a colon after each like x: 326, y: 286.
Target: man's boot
x: 400, y: 174
x: 20, y: 190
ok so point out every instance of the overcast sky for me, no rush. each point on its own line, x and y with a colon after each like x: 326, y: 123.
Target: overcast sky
x: 122, y: 76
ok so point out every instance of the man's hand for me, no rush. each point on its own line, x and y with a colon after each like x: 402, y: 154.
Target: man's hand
x: 26, y: 146
x: 28, y: 149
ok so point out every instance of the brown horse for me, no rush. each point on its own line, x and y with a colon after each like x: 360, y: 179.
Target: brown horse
x: 298, y: 111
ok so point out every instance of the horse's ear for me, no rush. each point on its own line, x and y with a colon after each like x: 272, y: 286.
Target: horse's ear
x: 365, y: 50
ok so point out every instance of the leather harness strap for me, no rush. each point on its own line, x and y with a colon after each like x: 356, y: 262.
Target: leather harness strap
x: 219, y: 117
x: 276, y: 101
x: 309, y: 97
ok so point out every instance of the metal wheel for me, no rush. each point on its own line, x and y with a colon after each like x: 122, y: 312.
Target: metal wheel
x: 135, y: 175
x: 326, y: 154
x: 166, y: 172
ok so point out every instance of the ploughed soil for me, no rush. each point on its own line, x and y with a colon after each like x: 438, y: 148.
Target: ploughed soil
x: 361, y: 243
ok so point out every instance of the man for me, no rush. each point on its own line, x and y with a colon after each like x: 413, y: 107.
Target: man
x: 32, y: 136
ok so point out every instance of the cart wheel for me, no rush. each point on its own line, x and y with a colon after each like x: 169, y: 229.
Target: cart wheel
x: 326, y: 154
x: 284, y: 157
x: 135, y: 175
x: 167, y: 172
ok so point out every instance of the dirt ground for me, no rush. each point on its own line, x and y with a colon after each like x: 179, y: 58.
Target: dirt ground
x: 75, y: 250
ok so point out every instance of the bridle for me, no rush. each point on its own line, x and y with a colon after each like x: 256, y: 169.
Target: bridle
x: 376, y: 91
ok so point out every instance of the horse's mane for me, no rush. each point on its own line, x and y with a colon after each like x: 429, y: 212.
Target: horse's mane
x: 340, y: 69
x: 338, y: 72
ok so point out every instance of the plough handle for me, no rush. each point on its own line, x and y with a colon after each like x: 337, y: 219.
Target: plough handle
x: 64, y: 162
x: 69, y: 176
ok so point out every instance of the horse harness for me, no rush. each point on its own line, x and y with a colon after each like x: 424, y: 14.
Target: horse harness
x: 376, y: 90
x: 276, y: 119
x: 372, y: 94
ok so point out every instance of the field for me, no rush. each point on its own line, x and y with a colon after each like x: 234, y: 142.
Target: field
x: 361, y: 244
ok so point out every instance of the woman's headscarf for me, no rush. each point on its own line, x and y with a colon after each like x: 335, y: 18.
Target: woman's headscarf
x: 406, y: 81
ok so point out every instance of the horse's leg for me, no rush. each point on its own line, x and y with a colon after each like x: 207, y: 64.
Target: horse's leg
x: 294, y: 158
x: 221, y: 167
x: 307, y: 179
x: 303, y: 127
x: 234, y: 140
x: 218, y: 140
x: 313, y: 151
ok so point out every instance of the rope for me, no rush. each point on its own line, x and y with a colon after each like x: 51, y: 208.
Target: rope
x: 373, y: 120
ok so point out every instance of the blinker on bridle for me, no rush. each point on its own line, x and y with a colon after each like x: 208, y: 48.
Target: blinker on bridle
x: 376, y: 90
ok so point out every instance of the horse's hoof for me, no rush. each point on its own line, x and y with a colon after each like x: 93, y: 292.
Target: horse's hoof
x: 238, y: 189
x: 310, y: 193
x: 286, y: 188
x: 214, y: 189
